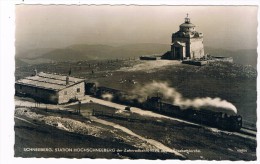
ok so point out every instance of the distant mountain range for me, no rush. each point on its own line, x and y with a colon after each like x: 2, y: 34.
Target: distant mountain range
x: 244, y: 56
x: 98, y: 52
x: 90, y: 52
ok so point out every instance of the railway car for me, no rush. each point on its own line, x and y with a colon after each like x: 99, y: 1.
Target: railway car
x: 203, y: 115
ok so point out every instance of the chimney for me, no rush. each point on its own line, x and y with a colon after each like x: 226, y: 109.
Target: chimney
x: 35, y: 72
x: 67, y: 80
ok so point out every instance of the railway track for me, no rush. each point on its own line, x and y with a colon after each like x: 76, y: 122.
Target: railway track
x: 243, y: 132
x: 247, y: 131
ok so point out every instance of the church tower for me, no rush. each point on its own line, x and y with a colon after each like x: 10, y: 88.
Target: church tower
x: 187, y: 43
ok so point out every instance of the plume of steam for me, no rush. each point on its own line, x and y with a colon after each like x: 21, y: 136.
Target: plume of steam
x: 107, y: 96
x: 176, y: 98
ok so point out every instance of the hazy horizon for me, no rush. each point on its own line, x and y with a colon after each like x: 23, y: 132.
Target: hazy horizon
x: 57, y: 26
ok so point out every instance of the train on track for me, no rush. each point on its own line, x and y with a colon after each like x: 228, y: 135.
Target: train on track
x: 205, y: 116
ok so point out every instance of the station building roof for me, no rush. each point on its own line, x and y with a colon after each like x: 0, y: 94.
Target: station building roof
x: 49, y: 81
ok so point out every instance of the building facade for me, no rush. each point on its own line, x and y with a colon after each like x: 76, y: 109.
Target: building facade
x: 187, y: 43
x: 51, y: 88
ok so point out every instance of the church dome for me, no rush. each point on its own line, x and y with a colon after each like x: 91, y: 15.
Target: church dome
x: 189, y: 25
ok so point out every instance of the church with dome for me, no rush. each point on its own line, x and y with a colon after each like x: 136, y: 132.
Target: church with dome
x: 187, y: 43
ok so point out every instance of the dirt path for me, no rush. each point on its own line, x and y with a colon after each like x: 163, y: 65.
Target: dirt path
x: 150, y: 141
x: 22, y: 119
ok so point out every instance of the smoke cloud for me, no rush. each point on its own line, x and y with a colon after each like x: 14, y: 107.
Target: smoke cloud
x: 169, y: 93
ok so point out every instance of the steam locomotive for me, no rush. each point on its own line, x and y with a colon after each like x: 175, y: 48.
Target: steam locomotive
x: 205, y: 116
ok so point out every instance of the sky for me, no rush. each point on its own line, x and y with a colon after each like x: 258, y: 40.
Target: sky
x: 57, y: 26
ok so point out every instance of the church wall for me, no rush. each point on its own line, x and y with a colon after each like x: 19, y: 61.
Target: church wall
x: 196, y: 48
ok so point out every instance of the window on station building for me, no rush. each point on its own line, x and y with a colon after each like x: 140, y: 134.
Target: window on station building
x: 21, y: 87
x: 78, y: 90
x: 36, y: 90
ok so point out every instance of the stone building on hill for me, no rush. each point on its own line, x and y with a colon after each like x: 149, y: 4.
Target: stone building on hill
x: 187, y: 43
x: 51, y: 88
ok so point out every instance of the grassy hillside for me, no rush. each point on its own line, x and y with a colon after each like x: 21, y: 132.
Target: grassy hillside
x: 20, y: 63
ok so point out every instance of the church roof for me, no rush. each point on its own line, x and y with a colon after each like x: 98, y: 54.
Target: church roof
x: 187, y: 25
x: 49, y: 81
x: 187, y: 22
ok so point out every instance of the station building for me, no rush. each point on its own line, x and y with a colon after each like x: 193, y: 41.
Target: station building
x: 51, y: 88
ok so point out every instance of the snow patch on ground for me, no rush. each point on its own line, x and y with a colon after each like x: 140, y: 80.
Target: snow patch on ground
x: 62, y: 127
x: 62, y: 123
x: 215, y: 130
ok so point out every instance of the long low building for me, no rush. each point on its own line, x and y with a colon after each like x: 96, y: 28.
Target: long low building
x: 51, y: 88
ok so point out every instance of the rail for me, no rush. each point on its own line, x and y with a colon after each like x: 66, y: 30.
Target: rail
x: 117, y: 116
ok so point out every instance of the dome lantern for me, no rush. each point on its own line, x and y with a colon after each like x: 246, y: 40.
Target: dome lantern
x: 187, y: 19
x: 187, y: 26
